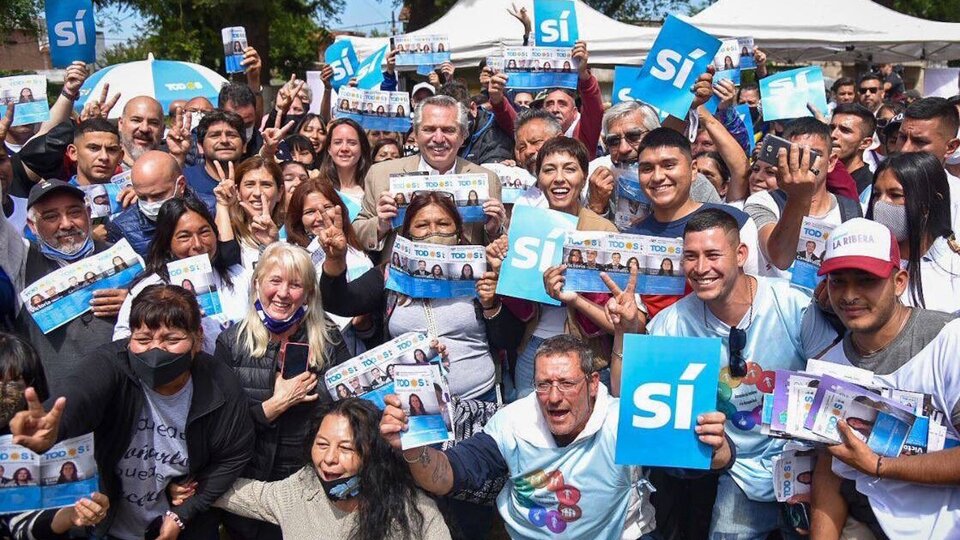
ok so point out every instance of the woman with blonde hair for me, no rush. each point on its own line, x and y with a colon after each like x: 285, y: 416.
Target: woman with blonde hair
x: 257, y: 214
x: 284, y: 307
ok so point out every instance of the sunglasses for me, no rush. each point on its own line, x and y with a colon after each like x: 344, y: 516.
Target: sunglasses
x: 426, y: 193
x: 737, y: 342
x: 634, y: 136
x: 869, y: 89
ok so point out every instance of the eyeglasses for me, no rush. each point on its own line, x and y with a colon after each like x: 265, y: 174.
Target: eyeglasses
x: 737, y: 341
x: 868, y: 89
x: 634, y: 136
x: 426, y: 193
x: 565, y: 387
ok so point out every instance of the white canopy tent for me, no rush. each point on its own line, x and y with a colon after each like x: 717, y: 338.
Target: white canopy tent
x: 831, y: 30
x: 478, y: 28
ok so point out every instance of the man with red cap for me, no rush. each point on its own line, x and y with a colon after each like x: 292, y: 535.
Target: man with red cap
x: 912, y: 349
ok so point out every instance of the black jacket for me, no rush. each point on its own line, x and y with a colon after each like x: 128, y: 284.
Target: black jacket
x: 105, y: 397
x: 257, y: 377
x: 486, y: 143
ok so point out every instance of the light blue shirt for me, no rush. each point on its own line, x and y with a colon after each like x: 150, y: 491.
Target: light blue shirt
x: 786, y: 330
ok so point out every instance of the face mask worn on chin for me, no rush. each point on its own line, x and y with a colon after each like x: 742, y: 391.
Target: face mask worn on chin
x: 275, y: 326
x: 51, y: 252
x: 445, y: 239
x: 157, y: 367
x: 894, y: 216
x: 341, y: 489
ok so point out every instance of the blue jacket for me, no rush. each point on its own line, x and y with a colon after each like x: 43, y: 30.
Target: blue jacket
x: 138, y: 229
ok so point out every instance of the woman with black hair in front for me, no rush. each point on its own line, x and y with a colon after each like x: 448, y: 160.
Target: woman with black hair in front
x: 354, y: 486
x: 185, y: 229
x: 911, y: 197
x: 300, y: 149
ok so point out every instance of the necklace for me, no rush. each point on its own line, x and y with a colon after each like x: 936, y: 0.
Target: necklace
x: 749, y: 313
x: 863, y: 353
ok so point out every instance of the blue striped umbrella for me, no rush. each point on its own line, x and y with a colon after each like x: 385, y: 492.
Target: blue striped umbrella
x: 163, y: 80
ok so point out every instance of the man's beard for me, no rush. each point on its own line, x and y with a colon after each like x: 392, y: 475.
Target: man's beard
x: 133, y: 150
x: 64, y: 241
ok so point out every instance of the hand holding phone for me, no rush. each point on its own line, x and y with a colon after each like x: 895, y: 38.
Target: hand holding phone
x: 295, y: 359
x: 770, y: 146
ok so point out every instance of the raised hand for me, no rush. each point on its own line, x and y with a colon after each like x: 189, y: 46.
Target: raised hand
x: 5, y: 127
x: 37, y: 428
x: 332, y: 239
x: 290, y: 90
x: 262, y: 225
x: 581, y: 55
x: 273, y: 136
x: 446, y: 70
x: 386, y: 211
x: 100, y: 107
x: 251, y: 66
x: 393, y: 421
x: 621, y: 309
x: 703, y: 88
x: 74, y: 77
x: 553, y: 282
x: 326, y: 74
x: 601, y: 184
x: 496, y: 252
x: 522, y: 16
x: 226, y: 190
x: 796, y: 172
x: 487, y: 290
x: 495, y: 86
x: 391, y: 66
x: 178, y: 136
x: 726, y: 92
x: 496, y: 217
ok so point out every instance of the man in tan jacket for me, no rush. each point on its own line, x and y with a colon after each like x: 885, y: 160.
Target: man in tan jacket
x: 440, y: 125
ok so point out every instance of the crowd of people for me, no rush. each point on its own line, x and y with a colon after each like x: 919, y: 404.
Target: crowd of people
x: 198, y: 433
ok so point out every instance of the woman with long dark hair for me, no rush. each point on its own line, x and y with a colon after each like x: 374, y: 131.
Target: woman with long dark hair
x: 354, y: 485
x: 911, y: 197
x: 301, y: 150
x: 313, y: 128
x: 345, y: 157
x: 186, y: 229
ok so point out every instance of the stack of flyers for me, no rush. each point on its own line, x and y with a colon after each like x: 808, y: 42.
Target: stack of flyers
x: 234, y: 43
x: 469, y: 192
x: 370, y: 375
x: 63, y: 475
x: 123, y: 179
x: 63, y: 295
x: 657, y: 261
x: 793, y: 474
x: 102, y: 199
x: 514, y: 181
x: 195, y: 274
x: 882, y: 423
x: 534, y: 68
x: 435, y: 271
x: 425, y: 397
x: 28, y: 93
x: 929, y: 431
x: 811, y: 247
x: 430, y: 50
x: 631, y: 205
x: 374, y: 109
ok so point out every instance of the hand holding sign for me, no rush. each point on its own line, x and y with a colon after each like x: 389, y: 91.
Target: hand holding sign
x: 251, y: 65
x: 386, y: 212
x: 553, y: 282
x: 74, y: 77
x: 582, y: 56
x: 393, y: 421
x: 5, y: 127
x: 797, y: 171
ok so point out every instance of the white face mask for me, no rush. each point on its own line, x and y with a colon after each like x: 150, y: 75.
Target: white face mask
x: 152, y: 209
x: 954, y: 158
x: 195, y: 119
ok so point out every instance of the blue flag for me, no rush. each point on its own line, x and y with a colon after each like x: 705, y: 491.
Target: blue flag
x: 786, y: 94
x: 556, y: 22
x: 679, y: 55
x: 743, y: 111
x: 624, y: 77
x: 369, y: 73
x: 72, y: 32
x: 536, y: 243
x: 342, y: 58
x: 667, y: 382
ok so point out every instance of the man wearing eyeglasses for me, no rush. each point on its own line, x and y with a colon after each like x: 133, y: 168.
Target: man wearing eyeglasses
x: 765, y: 325
x: 557, y: 445
x: 870, y: 90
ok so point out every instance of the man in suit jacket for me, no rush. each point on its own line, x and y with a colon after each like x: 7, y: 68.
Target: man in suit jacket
x: 440, y: 125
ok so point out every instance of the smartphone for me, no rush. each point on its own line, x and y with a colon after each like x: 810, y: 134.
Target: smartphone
x: 771, y: 145
x: 295, y: 358
x: 234, y: 42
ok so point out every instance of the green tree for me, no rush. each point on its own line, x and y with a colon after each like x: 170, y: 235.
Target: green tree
x: 935, y: 10
x: 18, y: 15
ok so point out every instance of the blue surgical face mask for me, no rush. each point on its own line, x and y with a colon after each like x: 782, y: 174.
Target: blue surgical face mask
x: 51, y: 252
x: 276, y: 326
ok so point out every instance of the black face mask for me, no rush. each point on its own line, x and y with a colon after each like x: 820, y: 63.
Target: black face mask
x: 158, y: 367
x: 341, y: 489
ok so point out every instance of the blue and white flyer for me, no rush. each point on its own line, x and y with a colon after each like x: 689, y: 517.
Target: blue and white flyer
x: 63, y: 475
x: 195, y: 274
x: 435, y: 271
x: 468, y: 192
x: 656, y: 260
x: 425, y: 397
x: 374, y: 109
x: 535, y: 68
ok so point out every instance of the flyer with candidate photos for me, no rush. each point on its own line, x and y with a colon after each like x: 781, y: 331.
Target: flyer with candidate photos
x: 727, y: 62
x: 234, y: 43
x: 747, y: 61
x: 882, y: 423
x: 425, y: 397
x: 63, y: 295
x: 535, y: 68
x: 793, y: 474
x: 370, y: 375
x: 102, y: 199
x: 374, y: 109
x: 420, y: 50
x: 468, y: 191
x: 630, y: 204
x: 811, y: 247
x: 28, y: 93
x: 514, y: 181
x: 60, y: 477
x: 195, y: 274
x: 656, y: 260
x: 433, y: 270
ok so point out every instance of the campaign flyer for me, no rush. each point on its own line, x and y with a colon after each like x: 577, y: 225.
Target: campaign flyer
x: 63, y: 475
x: 435, y: 271
x: 102, y: 199
x: 535, y: 68
x: 882, y: 423
x: 656, y: 260
x: 727, y: 62
x: 514, y: 181
x: 28, y: 93
x: 468, y: 192
x: 420, y: 50
x: 747, y: 61
x: 195, y: 274
x: 370, y: 375
x: 801, y: 391
x: 630, y: 204
x: 234, y: 42
x: 63, y: 295
x: 425, y: 397
x: 811, y: 247
x: 793, y: 475
x: 374, y: 109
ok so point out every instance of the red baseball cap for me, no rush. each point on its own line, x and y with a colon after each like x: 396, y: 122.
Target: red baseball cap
x: 861, y: 244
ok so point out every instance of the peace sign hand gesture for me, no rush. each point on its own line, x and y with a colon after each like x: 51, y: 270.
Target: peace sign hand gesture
x: 288, y: 92
x: 273, y: 136
x: 178, y: 137
x: 332, y: 239
x: 100, y: 107
x: 621, y: 309
x: 226, y: 190
x: 262, y: 226
x: 35, y: 427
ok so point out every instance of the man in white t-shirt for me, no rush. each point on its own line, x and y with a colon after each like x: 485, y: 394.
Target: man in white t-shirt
x: 912, y: 349
x: 803, y: 183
